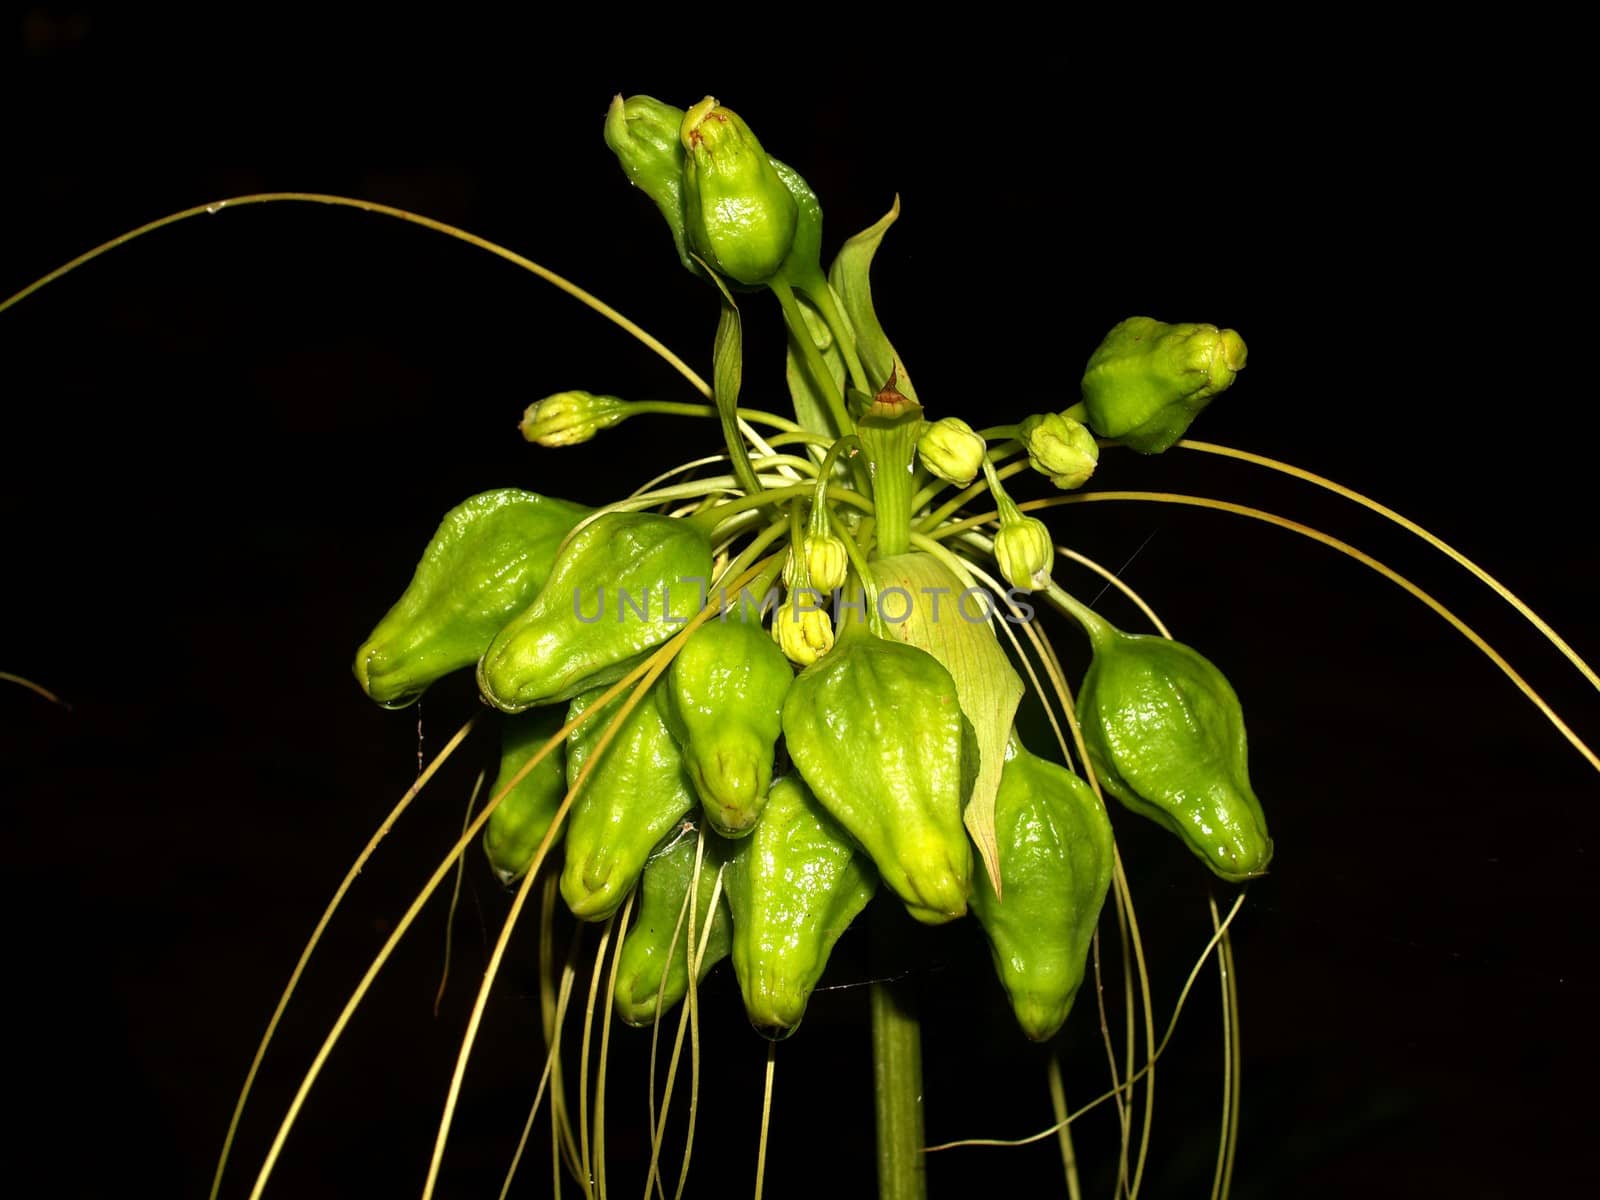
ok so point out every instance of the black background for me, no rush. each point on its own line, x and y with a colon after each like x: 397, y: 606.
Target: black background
x: 225, y: 444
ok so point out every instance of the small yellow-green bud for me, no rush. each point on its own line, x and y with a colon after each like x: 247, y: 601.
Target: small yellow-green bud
x: 568, y: 418
x: 951, y: 451
x: 1145, y: 384
x: 741, y: 216
x: 827, y: 560
x: 804, y: 633
x: 1025, y: 552
x: 1059, y: 447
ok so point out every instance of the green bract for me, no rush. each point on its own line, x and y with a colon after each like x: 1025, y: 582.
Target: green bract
x: 1166, y: 736
x: 741, y: 216
x: 624, y: 584
x: 488, y: 559
x: 1056, y: 855
x: 793, y: 886
x: 636, y: 793
x: 723, y: 701
x: 875, y: 730
x: 518, y: 824
x: 1148, y: 381
x: 658, y: 940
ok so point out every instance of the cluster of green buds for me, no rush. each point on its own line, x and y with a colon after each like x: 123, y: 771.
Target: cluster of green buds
x: 680, y: 729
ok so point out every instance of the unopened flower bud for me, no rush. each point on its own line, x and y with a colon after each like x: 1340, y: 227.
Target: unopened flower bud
x: 568, y: 418
x: 804, y: 632
x: 1025, y: 552
x: 740, y: 216
x: 1059, y: 447
x: 951, y: 451
x: 827, y: 560
x: 644, y: 135
x: 1148, y: 380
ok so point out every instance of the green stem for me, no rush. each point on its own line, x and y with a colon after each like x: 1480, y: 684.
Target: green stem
x: 1097, y: 627
x: 820, y: 375
x: 976, y: 489
x: 897, y: 1093
x: 712, y: 517
x: 674, y: 409
x: 843, y: 334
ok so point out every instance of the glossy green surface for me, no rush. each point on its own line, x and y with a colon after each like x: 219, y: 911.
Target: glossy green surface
x: 1166, y: 735
x: 518, y: 825
x: 1056, y: 856
x: 668, y: 875
x: 486, y: 562
x: 794, y: 885
x: 624, y: 584
x: 723, y: 700
x: 875, y: 730
x: 1147, y: 381
x: 636, y: 793
x: 741, y: 216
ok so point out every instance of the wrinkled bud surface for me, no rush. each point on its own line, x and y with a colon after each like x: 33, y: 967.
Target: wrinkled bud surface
x: 488, y: 559
x: 567, y: 418
x: 1059, y: 447
x: 1025, y: 553
x: 741, y: 216
x: 804, y: 633
x: 1148, y: 380
x: 951, y: 451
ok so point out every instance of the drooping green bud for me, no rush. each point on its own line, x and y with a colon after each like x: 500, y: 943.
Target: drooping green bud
x: 567, y: 418
x: 740, y: 215
x: 951, y: 451
x: 644, y: 135
x: 875, y: 729
x: 519, y: 823
x: 793, y: 887
x: 1023, y: 549
x: 1057, y: 851
x: 487, y: 560
x: 631, y: 799
x: 621, y: 586
x: 722, y: 698
x: 1059, y: 447
x: 657, y: 943
x: 1166, y: 736
x: 1148, y: 380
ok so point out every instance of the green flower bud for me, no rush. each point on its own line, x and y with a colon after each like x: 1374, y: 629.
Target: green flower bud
x: 951, y: 451
x: 568, y: 418
x: 1059, y: 447
x: 1165, y: 732
x: 1148, y: 381
x: 643, y: 133
x: 741, y: 217
x: 1024, y: 551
